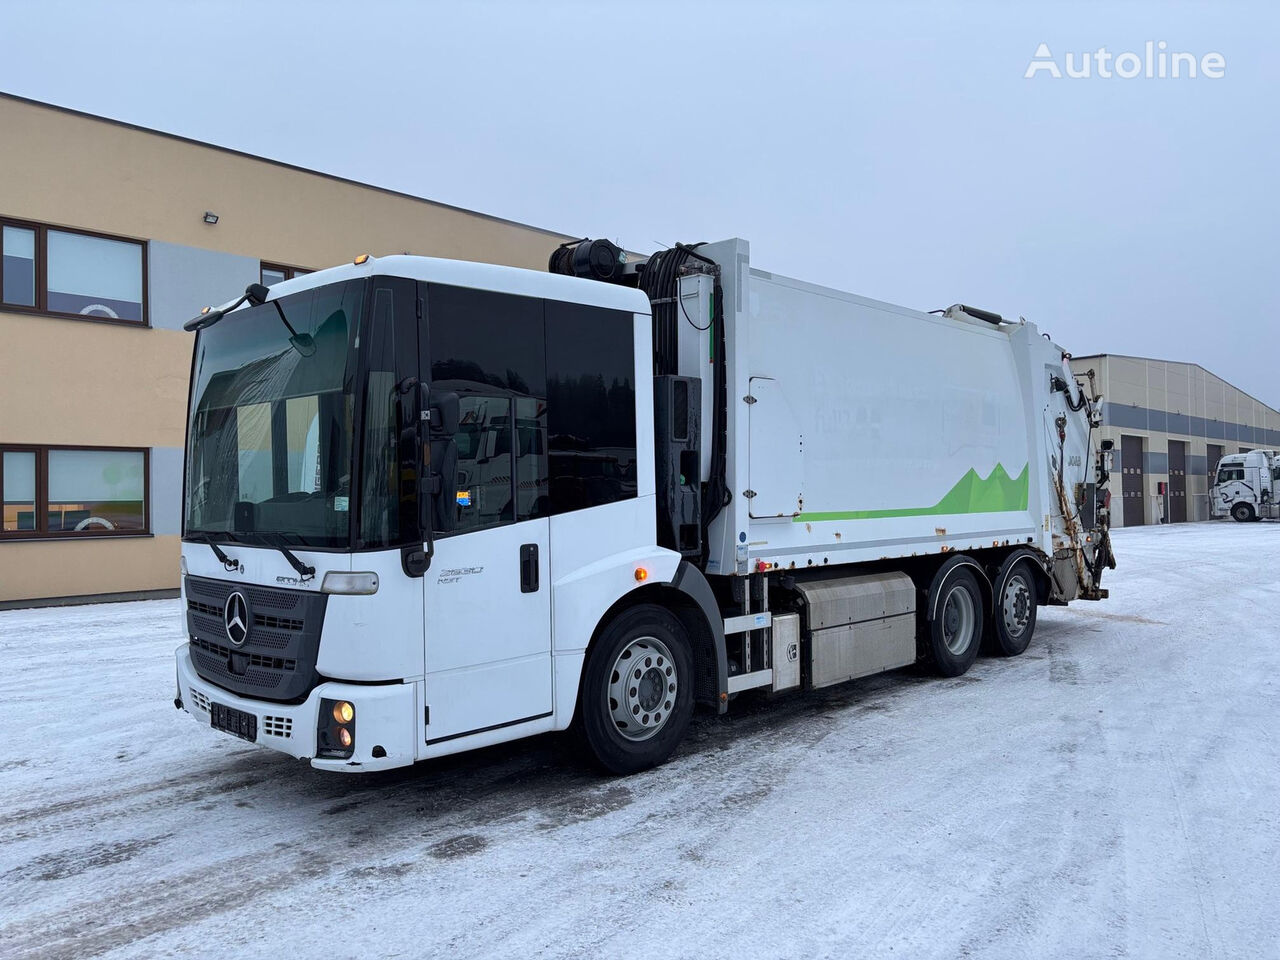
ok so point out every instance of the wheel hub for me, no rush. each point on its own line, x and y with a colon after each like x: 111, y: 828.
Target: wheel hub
x: 1015, y: 605
x: 642, y: 688
x: 958, y: 620
x: 651, y: 688
x: 952, y: 619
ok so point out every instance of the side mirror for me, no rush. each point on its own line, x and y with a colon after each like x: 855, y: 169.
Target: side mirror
x: 444, y: 413
x: 438, y: 413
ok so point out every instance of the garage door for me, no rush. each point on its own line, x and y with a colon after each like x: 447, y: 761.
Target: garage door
x: 1177, y: 481
x: 1135, y: 506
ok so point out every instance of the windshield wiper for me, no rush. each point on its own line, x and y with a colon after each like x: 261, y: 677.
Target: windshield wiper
x: 305, y: 571
x: 228, y: 563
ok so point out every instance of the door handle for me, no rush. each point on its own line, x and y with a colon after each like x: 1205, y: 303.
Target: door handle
x: 528, y: 568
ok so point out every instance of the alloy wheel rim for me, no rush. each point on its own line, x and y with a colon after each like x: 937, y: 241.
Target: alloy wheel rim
x: 958, y: 619
x: 642, y: 688
x: 1015, y: 605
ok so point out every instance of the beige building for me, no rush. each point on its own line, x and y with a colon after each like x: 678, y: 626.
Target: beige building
x: 1171, y: 423
x: 112, y: 237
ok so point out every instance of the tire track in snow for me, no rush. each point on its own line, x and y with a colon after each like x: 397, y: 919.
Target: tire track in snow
x: 448, y: 809
x: 155, y: 908
x: 431, y: 813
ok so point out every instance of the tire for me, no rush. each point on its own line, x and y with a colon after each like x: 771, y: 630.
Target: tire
x: 1013, y: 610
x: 628, y: 723
x: 955, y: 632
x: 1242, y: 513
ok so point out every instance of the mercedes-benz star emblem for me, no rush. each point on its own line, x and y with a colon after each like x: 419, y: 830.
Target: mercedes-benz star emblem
x: 236, y: 617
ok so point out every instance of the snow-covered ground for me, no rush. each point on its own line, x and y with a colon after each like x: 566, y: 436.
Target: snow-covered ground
x: 1113, y: 792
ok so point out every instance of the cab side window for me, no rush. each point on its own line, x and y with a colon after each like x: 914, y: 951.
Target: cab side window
x: 388, y: 492
x: 591, y: 405
x: 488, y: 348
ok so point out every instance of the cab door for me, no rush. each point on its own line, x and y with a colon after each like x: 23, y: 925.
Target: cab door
x: 487, y: 595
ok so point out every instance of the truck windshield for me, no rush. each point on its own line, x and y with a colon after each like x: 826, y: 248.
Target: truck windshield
x: 269, y: 443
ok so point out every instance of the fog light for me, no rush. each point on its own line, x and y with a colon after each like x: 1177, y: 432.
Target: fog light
x: 336, y: 730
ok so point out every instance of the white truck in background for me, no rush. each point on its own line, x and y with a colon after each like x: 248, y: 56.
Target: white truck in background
x: 1246, y: 486
x: 495, y: 502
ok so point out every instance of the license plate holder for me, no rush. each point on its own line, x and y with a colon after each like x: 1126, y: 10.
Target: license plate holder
x: 233, y: 721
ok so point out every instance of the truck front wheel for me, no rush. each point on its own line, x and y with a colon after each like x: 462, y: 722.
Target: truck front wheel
x: 955, y: 632
x: 637, y: 690
x: 1242, y: 513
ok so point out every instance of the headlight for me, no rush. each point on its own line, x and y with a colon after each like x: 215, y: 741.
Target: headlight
x: 336, y: 731
x: 336, y: 581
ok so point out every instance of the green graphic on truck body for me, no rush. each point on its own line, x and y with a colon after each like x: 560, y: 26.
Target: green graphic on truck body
x: 997, y: 493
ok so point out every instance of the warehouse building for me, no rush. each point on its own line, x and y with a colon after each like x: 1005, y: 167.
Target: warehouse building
x: 113, y: 236
x: 1171, y: 423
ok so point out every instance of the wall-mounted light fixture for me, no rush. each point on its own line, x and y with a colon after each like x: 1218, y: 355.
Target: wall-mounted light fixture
x: 210, y: 217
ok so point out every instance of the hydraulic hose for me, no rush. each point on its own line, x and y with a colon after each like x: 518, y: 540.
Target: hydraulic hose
x: 660, y: 282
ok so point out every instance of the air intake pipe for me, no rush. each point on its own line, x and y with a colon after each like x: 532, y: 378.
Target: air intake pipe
x: 591, y: 259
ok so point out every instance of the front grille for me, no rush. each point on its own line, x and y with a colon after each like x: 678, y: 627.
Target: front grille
x: 200, y: 700
x: 276, y: 623
x: 252, y: 659
x: 271, y: 639
x: 278, y: 658
x: 270, y: 598
x: 204, y: 608
x: 259, y: 619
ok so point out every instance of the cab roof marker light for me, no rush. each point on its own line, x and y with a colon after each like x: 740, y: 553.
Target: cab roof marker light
x: 363, y: 258
x: 357, y: 584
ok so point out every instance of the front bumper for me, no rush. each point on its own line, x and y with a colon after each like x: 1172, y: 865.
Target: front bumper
x: 385, y: 718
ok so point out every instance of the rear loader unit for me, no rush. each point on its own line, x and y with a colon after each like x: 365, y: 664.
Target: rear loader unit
x: 433, y: 505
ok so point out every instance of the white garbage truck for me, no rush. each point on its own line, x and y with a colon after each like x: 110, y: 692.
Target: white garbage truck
x: 431, y: 506
x: 1246, y: 486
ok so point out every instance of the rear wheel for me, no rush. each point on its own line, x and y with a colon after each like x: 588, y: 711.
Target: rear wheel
x: 637, y: 690
x: 1014, y: 617
x: 1242, y: 512
x: 955, y: 632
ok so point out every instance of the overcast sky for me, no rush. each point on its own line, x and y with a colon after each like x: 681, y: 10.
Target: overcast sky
x: 896, y: 151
